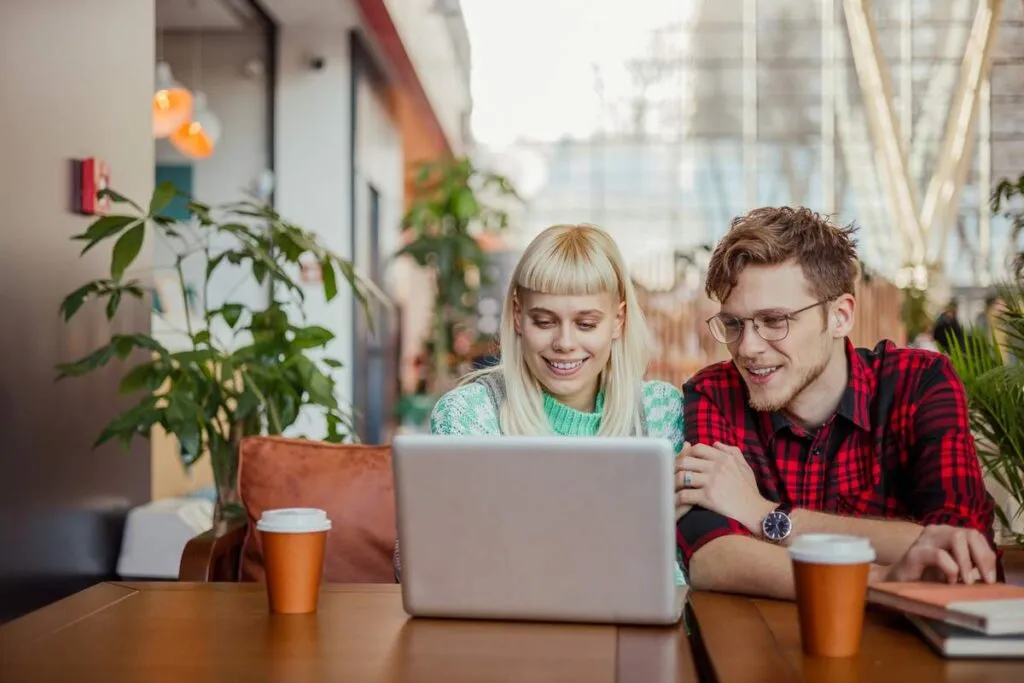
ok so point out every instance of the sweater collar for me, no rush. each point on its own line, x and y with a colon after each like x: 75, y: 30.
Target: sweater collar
x: 571, y: 422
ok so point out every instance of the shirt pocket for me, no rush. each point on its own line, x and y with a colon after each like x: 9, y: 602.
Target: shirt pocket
x: 867, y: 503
x: 858, y: 483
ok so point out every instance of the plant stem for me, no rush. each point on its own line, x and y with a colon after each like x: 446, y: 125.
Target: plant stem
x: 184, y: 294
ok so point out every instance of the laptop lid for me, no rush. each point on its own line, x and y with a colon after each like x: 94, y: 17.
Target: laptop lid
x: 540, y: 528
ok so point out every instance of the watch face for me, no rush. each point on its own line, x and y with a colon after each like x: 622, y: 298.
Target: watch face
x: 776, y: 526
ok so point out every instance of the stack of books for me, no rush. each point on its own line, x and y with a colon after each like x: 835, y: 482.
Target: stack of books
x: 977, y: 620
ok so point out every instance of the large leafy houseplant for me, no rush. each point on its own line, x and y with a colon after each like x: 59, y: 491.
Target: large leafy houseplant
x: 240, y: 369
x: 1003, y: 202
x: 990, y: 362
x: 455, y: 204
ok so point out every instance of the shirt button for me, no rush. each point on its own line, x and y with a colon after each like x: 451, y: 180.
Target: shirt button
x: 816, y: 451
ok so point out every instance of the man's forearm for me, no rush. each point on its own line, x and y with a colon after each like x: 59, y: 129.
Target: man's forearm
x: 741, y: 564
x: 891, y: 538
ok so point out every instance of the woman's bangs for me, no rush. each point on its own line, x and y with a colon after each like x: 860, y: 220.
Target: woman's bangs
x: 569, y: 274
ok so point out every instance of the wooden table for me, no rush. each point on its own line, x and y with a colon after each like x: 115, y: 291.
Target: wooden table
x: 743, y: 640
x: 194, y: 633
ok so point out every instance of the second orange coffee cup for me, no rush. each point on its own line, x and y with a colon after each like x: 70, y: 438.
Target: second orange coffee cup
x: 294, y: 540
x: 831, y: 579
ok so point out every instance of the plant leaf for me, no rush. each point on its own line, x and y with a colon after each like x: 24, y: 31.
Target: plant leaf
x: 126, y: 250
x: 94, y: 360
x: 74, y: 301
x: 139, y: 377
x: 162, y: 196
x: 312, y: 337
x: 231, y: 313
x: 330, y: 280
x: 105, y: 228
x: 112, y: 303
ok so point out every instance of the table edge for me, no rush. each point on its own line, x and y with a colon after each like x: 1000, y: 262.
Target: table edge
x: 738, y: 626
x: 56, y: 616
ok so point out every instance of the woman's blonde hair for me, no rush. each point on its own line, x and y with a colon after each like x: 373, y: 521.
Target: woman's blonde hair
x: 572, y: 260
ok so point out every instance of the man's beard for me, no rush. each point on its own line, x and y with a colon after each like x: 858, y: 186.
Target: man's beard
x: 768, y: 404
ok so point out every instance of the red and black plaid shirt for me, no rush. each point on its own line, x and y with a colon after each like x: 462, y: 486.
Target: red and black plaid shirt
x: 898, y: 446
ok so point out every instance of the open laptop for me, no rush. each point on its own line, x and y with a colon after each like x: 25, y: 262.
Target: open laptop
x: 578, y: 529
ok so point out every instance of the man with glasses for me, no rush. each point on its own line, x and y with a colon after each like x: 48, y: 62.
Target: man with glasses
x: 803, y: 433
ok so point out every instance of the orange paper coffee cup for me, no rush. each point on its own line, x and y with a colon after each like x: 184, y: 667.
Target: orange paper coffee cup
x: 830, y: 572
x: 293, y: 553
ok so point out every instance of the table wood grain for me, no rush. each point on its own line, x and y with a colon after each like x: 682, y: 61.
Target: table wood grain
x: 198, y: 632
x: 746, y: 640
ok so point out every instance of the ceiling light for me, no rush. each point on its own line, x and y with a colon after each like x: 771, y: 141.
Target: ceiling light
x: 197, y: 138
x: 172, y: 103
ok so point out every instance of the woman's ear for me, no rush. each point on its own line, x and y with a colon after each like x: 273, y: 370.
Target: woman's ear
x: 516, y: 312
x: 620, y: 320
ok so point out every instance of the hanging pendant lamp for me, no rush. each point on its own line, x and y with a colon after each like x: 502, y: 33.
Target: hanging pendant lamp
x: 172, y: 103
x: 197, y: 138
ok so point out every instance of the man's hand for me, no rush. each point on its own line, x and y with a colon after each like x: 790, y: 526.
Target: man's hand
x: 718, y: 478
x: 681, y: 508
x: 945, y: 553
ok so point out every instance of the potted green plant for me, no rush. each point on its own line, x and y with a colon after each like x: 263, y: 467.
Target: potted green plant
x: 990, y: 362
x: 455, y: 204
x: 243, y: 369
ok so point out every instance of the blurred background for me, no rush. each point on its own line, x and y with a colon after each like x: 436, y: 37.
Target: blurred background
x: 394, y: 157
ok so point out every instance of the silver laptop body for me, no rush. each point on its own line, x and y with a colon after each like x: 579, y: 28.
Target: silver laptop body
x: 578, y: 529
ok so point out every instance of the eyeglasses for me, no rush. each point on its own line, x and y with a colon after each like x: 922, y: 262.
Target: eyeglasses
x: 769, y: 326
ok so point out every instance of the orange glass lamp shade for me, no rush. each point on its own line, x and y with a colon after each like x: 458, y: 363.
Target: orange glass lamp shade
x: 198, y: 138
x: 172, y: 103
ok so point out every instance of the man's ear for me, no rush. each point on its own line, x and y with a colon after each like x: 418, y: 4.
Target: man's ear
x: 841, y: 318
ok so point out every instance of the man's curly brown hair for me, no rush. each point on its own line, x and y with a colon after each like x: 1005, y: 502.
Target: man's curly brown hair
x: 770, y: 236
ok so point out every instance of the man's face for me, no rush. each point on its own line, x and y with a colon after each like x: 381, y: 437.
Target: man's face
x: 776, y: 372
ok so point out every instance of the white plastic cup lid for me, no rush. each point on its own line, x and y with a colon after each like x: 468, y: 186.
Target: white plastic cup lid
x: 831, y: 549
x: 294, y: 521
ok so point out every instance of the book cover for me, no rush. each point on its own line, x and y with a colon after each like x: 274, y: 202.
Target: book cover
x: 955, y: 642
x: 992, y: 609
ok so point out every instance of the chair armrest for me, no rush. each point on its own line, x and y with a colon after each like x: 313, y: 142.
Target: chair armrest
x: 215, y: 554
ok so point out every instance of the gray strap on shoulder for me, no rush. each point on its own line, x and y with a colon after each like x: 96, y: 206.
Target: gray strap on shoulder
x: 494, y: 382
x: 643, y: 415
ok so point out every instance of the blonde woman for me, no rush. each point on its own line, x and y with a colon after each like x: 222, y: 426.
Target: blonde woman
x: 574, y: 351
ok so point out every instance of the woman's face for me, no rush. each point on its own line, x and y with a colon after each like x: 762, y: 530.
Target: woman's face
x: 567, y: 341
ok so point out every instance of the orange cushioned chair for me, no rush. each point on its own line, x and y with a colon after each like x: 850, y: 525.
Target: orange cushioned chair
x: 353, y: 483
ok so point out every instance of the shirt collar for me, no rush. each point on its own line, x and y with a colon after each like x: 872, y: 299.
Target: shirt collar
x: 854, y: 405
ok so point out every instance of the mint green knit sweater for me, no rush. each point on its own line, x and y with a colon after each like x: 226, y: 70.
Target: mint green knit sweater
x: 467, y: 410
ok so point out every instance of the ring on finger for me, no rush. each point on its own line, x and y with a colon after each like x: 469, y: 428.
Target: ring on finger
x: 687, y: 479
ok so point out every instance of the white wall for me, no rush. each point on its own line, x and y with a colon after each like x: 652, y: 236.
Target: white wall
x: 379, y: 162
x: 313, y: 176
x: 312, y: 162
